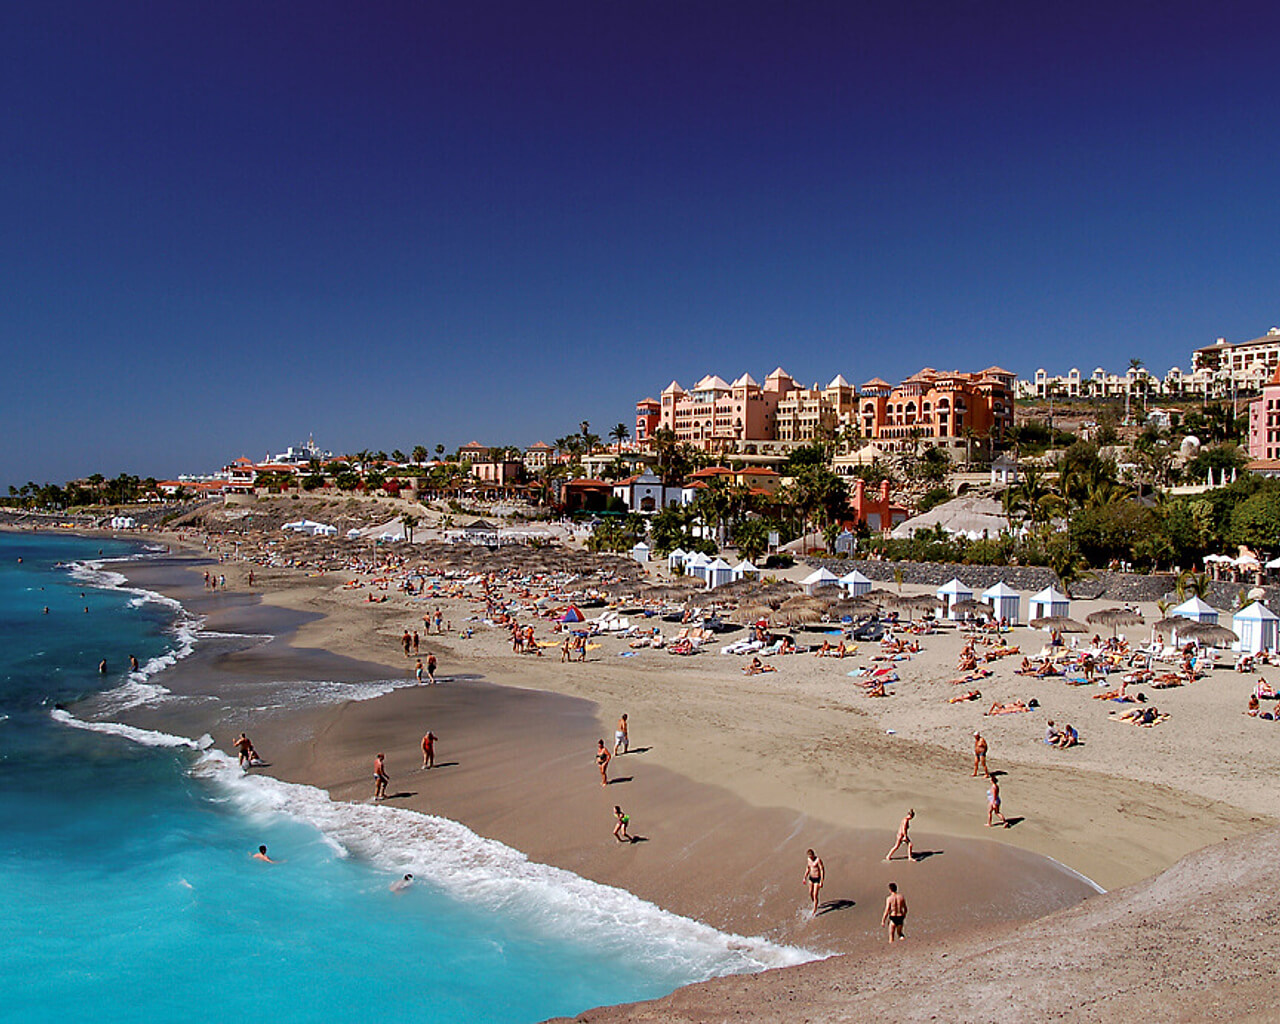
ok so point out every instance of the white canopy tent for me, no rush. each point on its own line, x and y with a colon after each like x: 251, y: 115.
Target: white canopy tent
x: 949, y: 594
x: 719, y: 573
x: 1258, y: 628
x: 745, y: 570
x: 855, y: 583
x: 1006, y: 603
x: 640, y: 552
x: 696, y: 565
x: 1049, y: 601
x: 676, y: 558
x: 821, y: 578
x: 1196, y: 610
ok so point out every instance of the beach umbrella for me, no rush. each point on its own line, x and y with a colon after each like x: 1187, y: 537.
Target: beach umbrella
x: 571, y: 614
x: 1114, y: 617
x: 800, y: 615
x: 1172, y: 622
x: 971, y: 607
x: 749, y: 613
x: 1207, y: 633
x: 1061, y: 623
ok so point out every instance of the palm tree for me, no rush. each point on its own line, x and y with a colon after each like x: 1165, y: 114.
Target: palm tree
x: 1191, y: 584
x: 419, y: 454
x: 409, y: 521
x: 440, y: 452
x: 1134, y: 366
x: 398, y: 456
x: 620, y: 433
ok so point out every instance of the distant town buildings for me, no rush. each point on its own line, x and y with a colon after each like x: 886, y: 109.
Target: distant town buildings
x: 1264, y: 421
x: 947, y: 409
x: 1217, y: 371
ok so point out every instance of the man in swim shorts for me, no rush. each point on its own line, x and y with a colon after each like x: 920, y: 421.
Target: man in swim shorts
x: 244, y: 747
x: 620, y: 741
x: 895, y: 912
x: 979, y: 754
x: 814, y: 875
x: 380, y: 777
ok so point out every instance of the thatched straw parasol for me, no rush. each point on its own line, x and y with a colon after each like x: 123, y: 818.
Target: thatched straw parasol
x: 971, y: 607
x: 799, y: 615
x: 1061, y: 623
x: 1114, y: 617
x: 1207, y: 633
x: 750, y: 613
x: 1171, y: 623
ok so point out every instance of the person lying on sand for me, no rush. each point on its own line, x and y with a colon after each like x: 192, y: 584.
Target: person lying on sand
x: 756, y: 667
x: 962, y: 697
x: 1008, y: 708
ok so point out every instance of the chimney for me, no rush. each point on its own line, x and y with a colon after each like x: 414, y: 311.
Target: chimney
x: 884, y: 492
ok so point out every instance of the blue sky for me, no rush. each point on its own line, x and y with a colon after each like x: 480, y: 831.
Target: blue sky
x: 229, y: 224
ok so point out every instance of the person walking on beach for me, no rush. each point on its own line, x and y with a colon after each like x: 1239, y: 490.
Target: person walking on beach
x: 895, y: 912
x: 904, y: 836
x: 405, y: 641
x: 417, y: 672
x: 621, y: 744
x: 380, y: 777
x: 415, y: 643
x: 620, y: 829
x: 244, y: 747
x: 429, y: 749
x: 814, y: 875
x: 431, y: 667
x: 439, y: 618
x: 979, y: 754
x: 993, y: 802
x: 602, y: 762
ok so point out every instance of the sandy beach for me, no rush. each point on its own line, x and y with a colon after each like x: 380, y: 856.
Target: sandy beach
x: 732, y: 777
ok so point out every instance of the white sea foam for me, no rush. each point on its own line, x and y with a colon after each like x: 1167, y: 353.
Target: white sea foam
x: 313, y: 693
x: 137, y: 688
x: 481, y: 872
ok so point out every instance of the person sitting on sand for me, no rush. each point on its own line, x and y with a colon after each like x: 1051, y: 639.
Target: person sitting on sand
x: 1069, y: 737
x: 1047, y: 669
x: 1052, y: 734
x: 757, y: 667
x: 840, y: 651
x: 1252, y: 709
x: 1025, y: 669
x: 877, y: 689
x: 824, y: 650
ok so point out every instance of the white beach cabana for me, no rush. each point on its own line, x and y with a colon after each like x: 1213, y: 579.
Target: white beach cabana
x: 821, y: 578
x: 950, y: 593
x: 676, y: 558
x: 640, y: 552
x: 1049, y: 601
x: 855, y: 583
x: 696, y: 565
x: 719, y: 573
x: 1258, y: 628
x: 1196, y: 610
x: 745, y: 570
x: 1006, y: 603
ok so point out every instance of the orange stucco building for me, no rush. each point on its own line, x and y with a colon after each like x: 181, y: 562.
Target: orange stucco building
x: 937, y: 408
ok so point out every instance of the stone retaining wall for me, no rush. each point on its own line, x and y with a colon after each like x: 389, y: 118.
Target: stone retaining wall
x: 1114, y: 587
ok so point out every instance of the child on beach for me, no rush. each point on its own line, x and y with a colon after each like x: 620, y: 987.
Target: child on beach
x: 429, y: 749
x: 620, y: 829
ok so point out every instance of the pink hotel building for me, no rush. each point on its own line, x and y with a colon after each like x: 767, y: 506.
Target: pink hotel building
x: 715, y: 413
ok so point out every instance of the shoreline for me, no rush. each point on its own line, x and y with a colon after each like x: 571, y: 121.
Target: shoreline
x: 326, y: 623
x: 494, y: 731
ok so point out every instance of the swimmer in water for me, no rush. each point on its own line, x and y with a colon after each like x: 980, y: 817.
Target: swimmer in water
x: 262, y: 855
x: 402, y: 884
x: 102, y: 667
x: 133, y: 663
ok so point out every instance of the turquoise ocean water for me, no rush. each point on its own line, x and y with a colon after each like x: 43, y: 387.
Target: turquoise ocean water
x: 129, y: 892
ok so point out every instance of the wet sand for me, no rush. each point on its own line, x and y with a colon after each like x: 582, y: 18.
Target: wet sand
x: 517, y: 765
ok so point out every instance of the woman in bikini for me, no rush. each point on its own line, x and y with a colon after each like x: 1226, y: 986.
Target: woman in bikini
x: 602, y: 762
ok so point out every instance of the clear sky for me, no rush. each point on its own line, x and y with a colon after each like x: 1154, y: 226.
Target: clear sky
x: 228, y: 224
